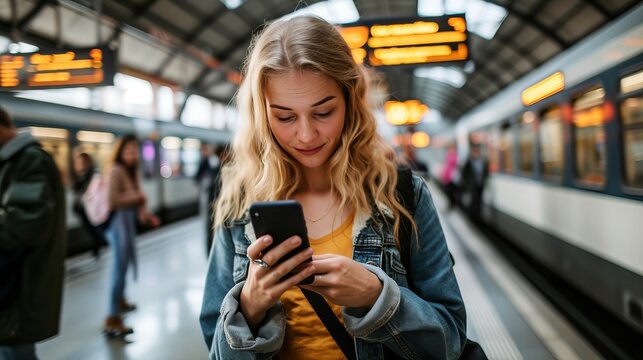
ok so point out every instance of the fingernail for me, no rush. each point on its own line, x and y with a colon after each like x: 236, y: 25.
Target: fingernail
x: 266, y: 240
x: 309, y: 251
x: 294, y: 241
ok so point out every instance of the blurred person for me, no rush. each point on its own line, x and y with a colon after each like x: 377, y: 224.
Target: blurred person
x: 474, y: 177
x: 451, y: 175
x: 309, y: 135
x: 222, y: 153
x: 205, y: 178
x: 412, y: 162
x: 33, y: 241
x: 84, y: 171
x: 128, y: 204
x: 209, y: 161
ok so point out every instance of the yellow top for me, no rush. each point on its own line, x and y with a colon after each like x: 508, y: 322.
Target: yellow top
x: 306, y: 337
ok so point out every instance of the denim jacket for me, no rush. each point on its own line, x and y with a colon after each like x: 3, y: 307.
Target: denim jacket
x: 427, y: 323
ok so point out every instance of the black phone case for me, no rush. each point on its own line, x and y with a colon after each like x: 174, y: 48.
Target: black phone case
x: 281, y: 219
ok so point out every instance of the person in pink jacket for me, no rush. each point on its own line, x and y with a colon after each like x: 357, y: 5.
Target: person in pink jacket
x: 450, y: 175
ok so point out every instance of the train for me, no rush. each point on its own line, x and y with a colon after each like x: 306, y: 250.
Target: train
x: 169, y: 154
x: 565, y: 173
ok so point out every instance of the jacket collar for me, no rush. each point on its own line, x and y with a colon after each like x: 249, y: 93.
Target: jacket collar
x: 22, y: 140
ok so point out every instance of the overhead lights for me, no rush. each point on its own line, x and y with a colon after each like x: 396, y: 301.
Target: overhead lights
x: 449, y: 75
x: 333, y: 11
x: 409, y: 112
x: 549, y: 86
x: 232, y: 4
x: 483, y: 18
x: 420, y: 139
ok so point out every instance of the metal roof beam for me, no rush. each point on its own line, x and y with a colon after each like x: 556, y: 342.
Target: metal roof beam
x: 204, y: 23
x: 242, y: 40
x: 24, y: 22
x: 531, y: 20
x: 143, y: 8
x: 600, y: 8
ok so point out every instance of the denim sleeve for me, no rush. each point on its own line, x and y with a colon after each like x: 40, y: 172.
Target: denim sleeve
x: 226, y: 332
x: 430, y: 321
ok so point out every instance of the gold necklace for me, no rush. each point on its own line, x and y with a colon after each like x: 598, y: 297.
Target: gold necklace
x: 323, y: 215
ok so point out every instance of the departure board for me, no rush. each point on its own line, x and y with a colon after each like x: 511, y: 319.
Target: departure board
x: 57, y: 69
x: 391, y: 42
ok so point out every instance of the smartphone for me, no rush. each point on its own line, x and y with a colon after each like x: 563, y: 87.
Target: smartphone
x: 281, y: 220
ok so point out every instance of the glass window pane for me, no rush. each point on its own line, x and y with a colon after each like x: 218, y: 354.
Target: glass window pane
x: 632, y: 82
x: 148, y: 152
x: 506, y: 149
x: 590, y: 137
x: 632, y: 110
x: 165, y: 107
x: 197, y: 112
x: 633, y: 150
x: 526, y: 138
x: 492, y: 150
x: 551, y: 142
x: 191, y: 157
x: 170, y: 156
x: 55, y: 142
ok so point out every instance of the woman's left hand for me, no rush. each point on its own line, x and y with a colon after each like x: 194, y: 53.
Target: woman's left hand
x: 344, y: 281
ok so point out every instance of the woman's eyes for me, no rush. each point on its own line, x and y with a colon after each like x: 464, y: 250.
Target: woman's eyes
x: 285, y: 118
x: 321, y: 115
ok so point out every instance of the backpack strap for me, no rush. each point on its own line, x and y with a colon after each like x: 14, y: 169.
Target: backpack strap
x: 335, y: 328
x: 406, y: 196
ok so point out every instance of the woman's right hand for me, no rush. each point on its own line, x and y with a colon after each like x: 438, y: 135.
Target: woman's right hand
x: 264, y: 286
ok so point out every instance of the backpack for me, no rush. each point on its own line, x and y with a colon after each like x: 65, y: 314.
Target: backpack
x: 406, y: 196
x: 96, y: 201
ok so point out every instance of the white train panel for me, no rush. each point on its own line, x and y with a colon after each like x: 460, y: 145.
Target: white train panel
x: 610, y: 227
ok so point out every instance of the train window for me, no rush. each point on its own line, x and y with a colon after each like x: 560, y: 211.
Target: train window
x: 632, y: 115
x: 526, y: 142
x: 96, y: 144
x: 589, y: 137
x: 148, y: 152
x: 633, y: 146
x: 506, y: 149
x: 632, y: 82
x: 492, y: 150
x: 191, y: 156
x: 551, y: 142
x: 170, y: 156
x: 55, y: 142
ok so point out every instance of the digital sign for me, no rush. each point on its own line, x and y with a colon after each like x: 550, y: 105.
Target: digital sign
x: 68, y: 68
x: 423, y: 40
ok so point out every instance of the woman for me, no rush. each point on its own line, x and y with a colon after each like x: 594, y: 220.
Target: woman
x: 310, y: 136
x: 84, y: 171
x: 127, y: 202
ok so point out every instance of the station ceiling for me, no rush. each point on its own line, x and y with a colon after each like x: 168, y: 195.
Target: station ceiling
x: 198, y: 45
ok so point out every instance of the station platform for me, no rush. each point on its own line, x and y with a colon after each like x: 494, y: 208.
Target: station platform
x: 505, y: 314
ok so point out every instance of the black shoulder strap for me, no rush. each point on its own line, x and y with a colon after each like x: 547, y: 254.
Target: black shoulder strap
x: 343, y: 339
x: 404, y: 190
x: 406, y: 196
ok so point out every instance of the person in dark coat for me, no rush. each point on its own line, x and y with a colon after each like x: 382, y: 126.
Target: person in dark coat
x: 33, y: 243
x: 474, y: 177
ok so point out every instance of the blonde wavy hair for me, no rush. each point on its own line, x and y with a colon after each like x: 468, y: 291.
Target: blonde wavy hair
x: 362, y: 171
